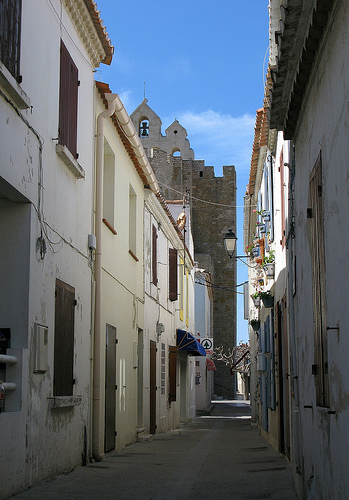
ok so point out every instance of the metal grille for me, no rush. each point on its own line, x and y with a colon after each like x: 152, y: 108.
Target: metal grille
x: 10, y: 35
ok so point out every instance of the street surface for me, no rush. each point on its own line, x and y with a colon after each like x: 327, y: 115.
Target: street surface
x: 218, y: 456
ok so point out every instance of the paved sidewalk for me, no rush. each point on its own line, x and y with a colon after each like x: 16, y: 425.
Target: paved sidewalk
x: 218, y: 456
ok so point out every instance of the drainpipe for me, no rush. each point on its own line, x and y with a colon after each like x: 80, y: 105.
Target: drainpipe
x: 97, y: 410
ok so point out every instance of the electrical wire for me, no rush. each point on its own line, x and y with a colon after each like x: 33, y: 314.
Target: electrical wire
x: 204, y: 201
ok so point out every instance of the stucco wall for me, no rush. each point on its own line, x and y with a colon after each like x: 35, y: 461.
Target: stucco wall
x: 31, y: 430
x: 324, y: 127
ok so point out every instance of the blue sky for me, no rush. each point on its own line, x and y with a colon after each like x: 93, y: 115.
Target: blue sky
x: 203, y: 63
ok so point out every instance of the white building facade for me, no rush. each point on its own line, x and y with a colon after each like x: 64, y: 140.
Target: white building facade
x: 46, y: 179
x: 307, y: 106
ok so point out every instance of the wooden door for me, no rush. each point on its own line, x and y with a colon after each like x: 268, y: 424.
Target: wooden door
x: 152, y: 385
x: 110, y: 388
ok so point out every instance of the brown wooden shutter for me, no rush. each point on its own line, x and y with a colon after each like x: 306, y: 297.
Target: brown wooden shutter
x: 173, y: 274
x: 172, y: 373
x: 155, y: 257
x: 64, y: 340
x: 10, y: 35
x: 68, y: 102
x: 282, y: 187
x: 319, y: 285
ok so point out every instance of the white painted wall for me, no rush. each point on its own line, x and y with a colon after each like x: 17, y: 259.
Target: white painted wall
x: 122, y: 283
x: 323, y: 127
x: 30, y: 430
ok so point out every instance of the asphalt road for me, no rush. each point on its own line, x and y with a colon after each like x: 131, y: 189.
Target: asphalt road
x: 217, y: 456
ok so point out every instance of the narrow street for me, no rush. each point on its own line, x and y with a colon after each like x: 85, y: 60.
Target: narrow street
x: 216, y: 456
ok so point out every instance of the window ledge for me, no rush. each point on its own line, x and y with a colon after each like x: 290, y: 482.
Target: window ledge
x: 133, y: 255
x: 65, y: 401
x: 109, y: 226
x: 70, y: 161
x: 13, y: 89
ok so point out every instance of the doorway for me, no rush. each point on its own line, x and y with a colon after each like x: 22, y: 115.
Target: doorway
x: 110, y: 388
x: 152, y: 385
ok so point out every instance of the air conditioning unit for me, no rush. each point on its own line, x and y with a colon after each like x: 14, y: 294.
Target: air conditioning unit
x: 261, y: 362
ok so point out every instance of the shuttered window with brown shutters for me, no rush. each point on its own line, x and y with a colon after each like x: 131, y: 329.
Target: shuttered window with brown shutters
x: 10, y: 35
x: 64, y: 340
x: 173, y: 274
x: 68, y: 102
x: 320, y: 367
x: 155, y: 256
x: 172, y: 373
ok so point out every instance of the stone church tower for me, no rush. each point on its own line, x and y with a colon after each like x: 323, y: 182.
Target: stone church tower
x: 212, y: 203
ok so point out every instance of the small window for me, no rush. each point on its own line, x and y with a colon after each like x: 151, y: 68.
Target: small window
x: 144, y: 128
x: 108, y: 184
x: 132, y: 222
x: 173, y: 274
x: 10, y: 35
x: 176, y: 152
x: 154, y: 256
x: 68, y: 102
x: 163, y: 369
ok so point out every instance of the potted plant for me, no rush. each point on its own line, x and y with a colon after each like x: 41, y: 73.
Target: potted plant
x: 267, y: 299
x: 266, y: 216
x: 262, y: 227
x: 269, y: 264
x: 255, y: 251
x: 256, y: 299
x: 255, y: 323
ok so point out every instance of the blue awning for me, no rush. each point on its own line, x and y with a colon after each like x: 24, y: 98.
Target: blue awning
x: 186, y: 342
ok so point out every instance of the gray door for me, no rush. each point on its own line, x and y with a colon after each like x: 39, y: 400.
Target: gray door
x: 110, y: 388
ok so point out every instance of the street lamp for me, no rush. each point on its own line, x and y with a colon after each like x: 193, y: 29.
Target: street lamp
x: 230, y: 242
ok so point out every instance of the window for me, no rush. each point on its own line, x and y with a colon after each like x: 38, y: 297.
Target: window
x: 187, y: 297
x: 108, y: 185
x: 10, y: 35
x: 132, y: 207
x: 64, y: 340
x: 172, y: 373
x: 320, y: 367
x: 154, y: 256
x: 144, y: 127
x: 163, y: 369
x: 68, y: 102
x: 283, y: 199
x: 181, y: 289
x: 173, y: 274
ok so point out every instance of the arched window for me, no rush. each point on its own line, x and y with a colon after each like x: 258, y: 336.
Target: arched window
x: 144, y: 127
x: 176, y: 152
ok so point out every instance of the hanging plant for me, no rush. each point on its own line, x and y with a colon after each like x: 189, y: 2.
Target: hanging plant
x: 255, y: 324
x: 267, y: 299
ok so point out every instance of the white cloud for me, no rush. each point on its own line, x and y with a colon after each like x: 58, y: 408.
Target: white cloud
x: 220, y: 139
x: 127, y: 100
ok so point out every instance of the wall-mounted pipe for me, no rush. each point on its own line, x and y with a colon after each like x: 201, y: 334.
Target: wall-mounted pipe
x: 9, y: 386
x: 97, y: 406
x: 11, y: 360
